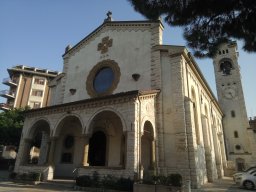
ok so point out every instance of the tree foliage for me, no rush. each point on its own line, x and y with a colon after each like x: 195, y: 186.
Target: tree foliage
x: 11, y: 123
x: 206, y: 24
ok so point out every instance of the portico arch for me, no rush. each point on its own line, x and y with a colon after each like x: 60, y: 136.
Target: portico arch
x: 63, y: 119
x: 66, y: 151
x: 36, y: 143
x: 108, y: 150
x: 89, y: 124
x: 148, y: 147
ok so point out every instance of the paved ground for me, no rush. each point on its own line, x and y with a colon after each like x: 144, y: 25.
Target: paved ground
x: 14, y: 187
x: 223, y: 185
x: 226, y: 184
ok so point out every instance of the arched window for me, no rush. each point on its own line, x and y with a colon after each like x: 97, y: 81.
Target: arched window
x: 233, y: 114
x: 225, y: 67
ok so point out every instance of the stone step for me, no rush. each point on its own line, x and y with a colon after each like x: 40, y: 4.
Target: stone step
x: 60, y: 182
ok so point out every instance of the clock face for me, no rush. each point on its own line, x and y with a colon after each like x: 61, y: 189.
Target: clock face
x: 229, y: 93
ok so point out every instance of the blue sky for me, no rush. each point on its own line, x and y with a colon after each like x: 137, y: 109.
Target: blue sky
x: 36, y: 32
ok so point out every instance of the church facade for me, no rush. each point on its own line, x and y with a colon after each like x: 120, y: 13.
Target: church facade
x: 126, y: 105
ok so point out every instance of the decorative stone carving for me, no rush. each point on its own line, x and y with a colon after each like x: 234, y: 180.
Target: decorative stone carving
x: 105, y: 44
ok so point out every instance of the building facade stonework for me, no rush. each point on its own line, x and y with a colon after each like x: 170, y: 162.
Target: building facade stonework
x: 128, y: 106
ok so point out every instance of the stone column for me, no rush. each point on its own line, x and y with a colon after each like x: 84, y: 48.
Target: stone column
x: 132, y: 153
x: 25, y: 153
x: 218, y: 159
x: 123, y: 150
x: 85, y: 145
x: 207, y: 147
x: 52, y: 149
x: 153, y: 156
x: 43, y: 149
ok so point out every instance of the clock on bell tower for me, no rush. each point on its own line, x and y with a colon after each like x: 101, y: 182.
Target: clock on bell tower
x: 232, y: 103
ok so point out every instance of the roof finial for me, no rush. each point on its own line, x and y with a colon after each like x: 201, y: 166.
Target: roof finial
x: 109, y: 16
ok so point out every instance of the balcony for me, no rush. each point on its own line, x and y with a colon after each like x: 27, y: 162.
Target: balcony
x: 5, y: 106
x: 7, y: 94
x: 10, y: 82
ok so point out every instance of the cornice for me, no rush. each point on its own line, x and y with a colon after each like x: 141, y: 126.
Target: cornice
x: 182, y: 51
x: 124, y: 97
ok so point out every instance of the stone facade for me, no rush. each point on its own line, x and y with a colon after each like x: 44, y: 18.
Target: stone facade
x: 154, y: 115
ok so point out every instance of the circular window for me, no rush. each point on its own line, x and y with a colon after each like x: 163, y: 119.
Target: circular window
x: 103, y: 78
x: 238, y: 147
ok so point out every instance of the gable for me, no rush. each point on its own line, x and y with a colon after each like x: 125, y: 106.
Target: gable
x: 128, y: 45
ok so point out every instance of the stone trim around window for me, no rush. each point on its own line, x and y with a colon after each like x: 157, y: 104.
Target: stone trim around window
x: 90, y: 79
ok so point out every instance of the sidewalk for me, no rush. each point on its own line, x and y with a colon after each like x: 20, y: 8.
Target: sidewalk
x: 225, y: 184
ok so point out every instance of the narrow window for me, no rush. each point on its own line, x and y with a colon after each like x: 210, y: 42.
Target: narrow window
x: 37, y: 93
x: 39, y: 81
x: 235, y: 134
x: 36, y: 105
x: 233, y: 114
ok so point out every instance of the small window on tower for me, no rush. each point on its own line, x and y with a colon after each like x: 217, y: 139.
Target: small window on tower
x: 233, y: 114
x: 235, y: 134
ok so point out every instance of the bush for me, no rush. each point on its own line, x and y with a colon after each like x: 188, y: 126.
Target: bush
x: 34, y: 176
x: 172, y: 179
x: 107, y: 182
x: 125, y: 184
x: 175, y: 180
x: 31, y: 176
x: 12, y: 175
x: 84, y: 181
x: 96, y: 179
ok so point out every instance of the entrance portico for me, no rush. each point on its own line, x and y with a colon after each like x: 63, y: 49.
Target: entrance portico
x: 87, y: 137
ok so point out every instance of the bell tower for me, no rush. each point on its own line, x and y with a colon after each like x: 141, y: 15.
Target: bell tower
x: 231, y: 100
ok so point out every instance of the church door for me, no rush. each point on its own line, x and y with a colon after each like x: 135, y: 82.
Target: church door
x: 97, y: 149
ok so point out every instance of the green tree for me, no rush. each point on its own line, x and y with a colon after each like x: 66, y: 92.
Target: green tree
x: 206, y: 24
x: 11, y: 123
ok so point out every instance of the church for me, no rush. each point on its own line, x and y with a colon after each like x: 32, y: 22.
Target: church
x: 127, y: 105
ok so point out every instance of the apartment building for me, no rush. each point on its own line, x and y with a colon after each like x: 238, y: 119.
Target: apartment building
x: 28, y: 86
